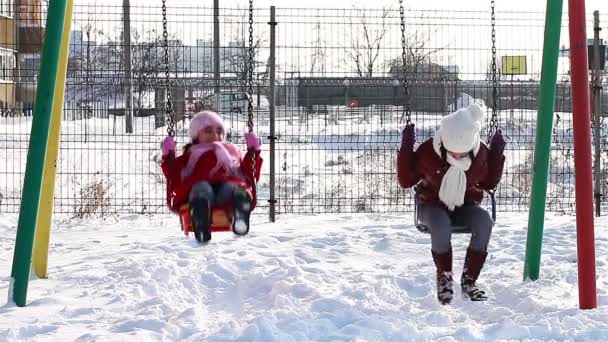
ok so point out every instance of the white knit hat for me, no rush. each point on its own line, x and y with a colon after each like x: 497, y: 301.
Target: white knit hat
x: 459, y: 131
x: 204, y: 119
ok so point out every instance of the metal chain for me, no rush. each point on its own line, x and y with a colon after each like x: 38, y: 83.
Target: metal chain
x: 250, y: 89
x: 557, y: 120
x: 494, y: 118
x: 407, y: 108
x: 250, y: 66
x: 170, y: 117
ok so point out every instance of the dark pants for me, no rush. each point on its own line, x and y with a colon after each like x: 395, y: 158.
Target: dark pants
x: 220, y: 194
x: 440, y: 222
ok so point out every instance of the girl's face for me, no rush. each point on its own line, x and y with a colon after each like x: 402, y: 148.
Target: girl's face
x: 211, y: 134
x: 458, y: 156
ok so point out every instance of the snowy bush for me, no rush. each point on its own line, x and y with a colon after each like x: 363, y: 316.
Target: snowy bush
x: 94, y: 198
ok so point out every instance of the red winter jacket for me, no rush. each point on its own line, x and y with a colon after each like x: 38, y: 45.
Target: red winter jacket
x: 426, y: 168
x: 180, y: 188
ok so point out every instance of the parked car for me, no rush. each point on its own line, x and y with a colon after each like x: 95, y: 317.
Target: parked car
x: 235, y: 102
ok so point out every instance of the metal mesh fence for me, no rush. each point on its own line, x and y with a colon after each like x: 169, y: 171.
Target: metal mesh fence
x: 339, y: 101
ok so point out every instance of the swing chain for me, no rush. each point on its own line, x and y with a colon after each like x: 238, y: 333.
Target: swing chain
x: 494, y: 119
x: 407, y: 108
x: 250, y: 88
x: 250, y: 67
x: 557, y: 120
x: 170, y: 117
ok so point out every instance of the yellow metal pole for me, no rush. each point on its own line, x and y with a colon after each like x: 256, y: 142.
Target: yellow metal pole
x: 45, y: 213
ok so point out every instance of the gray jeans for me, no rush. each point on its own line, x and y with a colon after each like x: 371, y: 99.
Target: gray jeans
x: 440, y: 222
x: 218, y: 193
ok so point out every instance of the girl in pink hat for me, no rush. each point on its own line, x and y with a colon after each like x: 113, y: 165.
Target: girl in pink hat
x: 451, y: 171
x: 212, y: 173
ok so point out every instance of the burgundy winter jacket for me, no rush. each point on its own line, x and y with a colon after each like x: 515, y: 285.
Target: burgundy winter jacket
x: 426, y: 168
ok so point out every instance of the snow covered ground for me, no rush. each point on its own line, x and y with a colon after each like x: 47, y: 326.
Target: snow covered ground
x: 363, y: 277
x: 331, y: 277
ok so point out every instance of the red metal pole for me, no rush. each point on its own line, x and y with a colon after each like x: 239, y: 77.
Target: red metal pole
x: 582, y: 155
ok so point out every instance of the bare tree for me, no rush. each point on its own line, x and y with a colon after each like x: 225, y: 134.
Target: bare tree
x: 84, y: 69
x: 418, y: 59
x: 148, y: 62
x: 319, y: 55
x: 264, y: 78
x: 365, y: 46
x: 148, y: 69
x: 98, y: 68
x: 490, y: 72
x: 236, y: 55
x: 93, y: 67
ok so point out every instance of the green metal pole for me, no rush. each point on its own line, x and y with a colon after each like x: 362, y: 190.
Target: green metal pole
x: 542, y: 148
x: 30, y: 199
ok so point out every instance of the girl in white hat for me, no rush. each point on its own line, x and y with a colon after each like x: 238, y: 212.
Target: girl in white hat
x: 451, y: 172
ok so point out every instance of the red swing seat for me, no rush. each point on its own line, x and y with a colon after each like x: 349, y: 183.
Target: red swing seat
x: 221, y: 219
x: 221, y: 216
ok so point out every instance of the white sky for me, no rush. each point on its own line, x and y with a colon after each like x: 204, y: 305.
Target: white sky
x: 525, y: 5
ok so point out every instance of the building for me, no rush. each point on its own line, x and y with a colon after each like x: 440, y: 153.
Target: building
x: 199, y: 58
x: 8, y: 54
x: 30, y: 32
x: 21, y: 34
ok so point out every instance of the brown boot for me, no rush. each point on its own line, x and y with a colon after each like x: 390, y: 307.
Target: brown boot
x: 473, y: 263
x: 443, y: 263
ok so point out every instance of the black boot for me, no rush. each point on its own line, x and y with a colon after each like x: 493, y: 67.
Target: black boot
x: 241, y: 204
x: 200, y: 215
x: 443, y: 263
x: 473, y: 263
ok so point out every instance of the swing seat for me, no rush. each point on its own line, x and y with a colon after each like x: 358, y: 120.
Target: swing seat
x: 456, y: 229
x: 221, y: 219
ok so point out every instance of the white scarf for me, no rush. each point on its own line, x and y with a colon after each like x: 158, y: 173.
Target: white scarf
x: 454, y: 182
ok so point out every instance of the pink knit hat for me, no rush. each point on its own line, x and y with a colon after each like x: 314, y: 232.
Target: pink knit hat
x: 204, y: 119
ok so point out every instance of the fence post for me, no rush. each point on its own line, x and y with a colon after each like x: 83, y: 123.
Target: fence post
x: 216, y: 47
x: 271, y: 99
x: 126, y: 17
